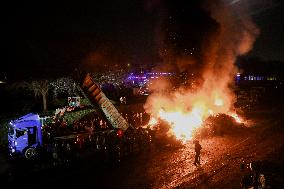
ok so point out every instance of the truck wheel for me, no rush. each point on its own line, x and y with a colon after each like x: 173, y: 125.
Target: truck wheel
x: 30, y: 152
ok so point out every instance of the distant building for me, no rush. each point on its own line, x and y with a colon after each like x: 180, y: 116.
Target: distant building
x: 267, y: 81
x: 142, y: 81
x: 249, y: 77
x: 251, y: 87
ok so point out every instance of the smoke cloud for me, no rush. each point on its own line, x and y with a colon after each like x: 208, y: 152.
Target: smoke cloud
x: 233, y: 35
x: 104, y: 59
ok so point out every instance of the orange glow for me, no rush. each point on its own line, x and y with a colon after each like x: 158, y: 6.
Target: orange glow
x: 236, y: 117
x: 151, y: 124
x: 186, y: 114
x: 210, y: 88
x: 219, y: 102
x: 152, y: 121
x: 182, y: 124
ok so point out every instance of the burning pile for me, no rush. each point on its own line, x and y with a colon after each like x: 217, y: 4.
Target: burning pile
x: 184, y: 119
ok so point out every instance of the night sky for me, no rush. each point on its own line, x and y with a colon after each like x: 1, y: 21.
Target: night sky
x: 43, y: 40
x: 269, y: 18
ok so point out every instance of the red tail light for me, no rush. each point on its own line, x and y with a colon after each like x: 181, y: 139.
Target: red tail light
x: 119, y: 133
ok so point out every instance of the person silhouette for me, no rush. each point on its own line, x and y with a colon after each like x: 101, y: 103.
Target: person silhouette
x: 197, y: 149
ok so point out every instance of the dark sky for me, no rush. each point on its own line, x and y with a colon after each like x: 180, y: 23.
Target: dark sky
x: 44, y: 39
x: 269, y: 18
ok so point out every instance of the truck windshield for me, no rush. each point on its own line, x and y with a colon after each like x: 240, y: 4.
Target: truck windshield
x: 20, y: 132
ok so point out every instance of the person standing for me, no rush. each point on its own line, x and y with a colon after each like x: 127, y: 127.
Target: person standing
x: 121, y: 100
x: 197, y: 148
x: 124, y: 100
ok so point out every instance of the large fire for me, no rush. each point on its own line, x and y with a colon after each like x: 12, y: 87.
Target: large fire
x: 183, y: 123
x: 212, y: 70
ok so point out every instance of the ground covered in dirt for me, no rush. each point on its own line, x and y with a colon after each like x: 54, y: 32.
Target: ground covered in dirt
x: 171, y: 166
x: 261, y: 141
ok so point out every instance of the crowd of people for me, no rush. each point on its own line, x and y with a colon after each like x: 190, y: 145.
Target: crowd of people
x: 59, y: 125
x: 91, y: 131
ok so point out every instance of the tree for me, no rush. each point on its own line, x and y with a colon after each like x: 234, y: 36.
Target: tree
x: 40, y: 88
x: 63, y: 85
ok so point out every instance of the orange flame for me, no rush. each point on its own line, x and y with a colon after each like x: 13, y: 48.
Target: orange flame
x: 237, y: 118
x: 183, y: 123
x: 153, y: 121
x: 219, y: 102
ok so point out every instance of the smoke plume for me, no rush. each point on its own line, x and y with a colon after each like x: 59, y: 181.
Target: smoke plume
x: 233, y: 35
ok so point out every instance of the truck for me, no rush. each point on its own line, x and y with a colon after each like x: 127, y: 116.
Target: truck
x: 29, y: 138
x: 24, y: 135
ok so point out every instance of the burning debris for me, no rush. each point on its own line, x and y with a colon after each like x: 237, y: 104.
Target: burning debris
x: 220, y: 124
x: 185, y: 127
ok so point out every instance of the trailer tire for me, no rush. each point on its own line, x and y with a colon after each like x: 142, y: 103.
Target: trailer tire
x: 30, y: 152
